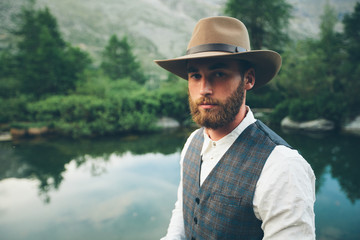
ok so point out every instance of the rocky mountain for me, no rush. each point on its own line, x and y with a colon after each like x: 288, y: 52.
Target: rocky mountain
x: 157, y: 28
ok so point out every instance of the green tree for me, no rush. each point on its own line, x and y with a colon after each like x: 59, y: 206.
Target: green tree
x: 46, y: 63
x: 9, y: 85
x: 351, y: 68
x: 266, y: 21
x: 311, y: 75
x: 119, y: 61
x: 331, y: 44
x: 352, y: 33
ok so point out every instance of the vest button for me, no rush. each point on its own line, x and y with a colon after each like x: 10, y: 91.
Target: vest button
x: 195, y: 220
x: 197, y: 200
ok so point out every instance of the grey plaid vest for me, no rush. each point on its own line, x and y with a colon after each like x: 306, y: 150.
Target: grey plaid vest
x: 222, y: 208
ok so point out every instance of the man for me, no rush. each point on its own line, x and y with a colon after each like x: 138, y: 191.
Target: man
x: 239, y: 180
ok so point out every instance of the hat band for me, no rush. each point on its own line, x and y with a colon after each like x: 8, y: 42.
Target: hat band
x: 210, y: 47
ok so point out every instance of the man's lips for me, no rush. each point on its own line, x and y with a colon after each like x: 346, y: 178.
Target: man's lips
x: 207, y: 105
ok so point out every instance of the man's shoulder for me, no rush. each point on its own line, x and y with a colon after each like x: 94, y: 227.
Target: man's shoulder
x: 191, y: 136
x: 270, y: 134
x: 188, y: 141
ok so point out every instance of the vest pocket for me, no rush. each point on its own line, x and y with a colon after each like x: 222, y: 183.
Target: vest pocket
x: 226, y: 200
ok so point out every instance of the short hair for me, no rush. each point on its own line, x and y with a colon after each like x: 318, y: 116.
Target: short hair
x: 244, y: 66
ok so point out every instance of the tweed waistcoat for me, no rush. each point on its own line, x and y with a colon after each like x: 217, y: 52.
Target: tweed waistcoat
x: 222, y: 208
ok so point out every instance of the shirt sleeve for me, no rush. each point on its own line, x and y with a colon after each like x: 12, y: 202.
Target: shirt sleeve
x: 176, y: 229
x: 285, y: 195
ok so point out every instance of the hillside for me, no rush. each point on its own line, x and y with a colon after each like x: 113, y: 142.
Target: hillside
x: 157, y: 28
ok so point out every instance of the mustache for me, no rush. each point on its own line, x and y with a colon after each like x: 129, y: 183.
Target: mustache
x: 207, y: 100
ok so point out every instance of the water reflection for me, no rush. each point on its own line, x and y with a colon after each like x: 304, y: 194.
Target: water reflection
x: 45, y: 159
x: 125, y: 187
x: 115, y: 205
x: 338, y: 152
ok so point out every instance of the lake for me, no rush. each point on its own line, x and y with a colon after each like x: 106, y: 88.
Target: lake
x: 125, y: 187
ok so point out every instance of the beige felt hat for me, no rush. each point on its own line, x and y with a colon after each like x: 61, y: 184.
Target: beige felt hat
x: 224, y: 37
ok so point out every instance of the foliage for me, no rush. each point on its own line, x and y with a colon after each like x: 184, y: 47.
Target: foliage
x: 97, y: 84
x: 13, y: 109
x: 280, y: 111
x: 312, y: 76
x: 118, y: 106
x: 79, y: 115
x: 351, y: 67
x: 300, y: 110
x: 265, y: 97
x: 45, y: 80
x: 9, y: 87
x: 119, y: 62
x: 46, y: 64
x: 173, y: 100
x: 266, y: 21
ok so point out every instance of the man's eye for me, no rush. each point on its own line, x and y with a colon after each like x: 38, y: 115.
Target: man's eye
x: 219, y: 74
x: 195, y: 76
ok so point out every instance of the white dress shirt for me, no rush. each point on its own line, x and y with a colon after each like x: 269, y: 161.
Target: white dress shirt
x: 284, y: 195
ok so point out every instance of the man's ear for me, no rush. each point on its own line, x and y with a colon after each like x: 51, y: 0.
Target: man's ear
x: 249, y: 78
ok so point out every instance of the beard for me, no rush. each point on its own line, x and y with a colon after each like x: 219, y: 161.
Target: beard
x: 221, y: 115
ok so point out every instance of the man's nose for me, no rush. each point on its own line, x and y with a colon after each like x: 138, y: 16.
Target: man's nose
x: 205, y: 87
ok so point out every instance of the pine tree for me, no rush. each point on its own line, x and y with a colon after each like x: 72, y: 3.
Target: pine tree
x: 45, y: 61
x: 351, y: 68
x: 266, y: 21
x: 119, y: 61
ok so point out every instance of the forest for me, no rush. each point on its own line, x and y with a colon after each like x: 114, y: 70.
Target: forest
x: 47, y: 82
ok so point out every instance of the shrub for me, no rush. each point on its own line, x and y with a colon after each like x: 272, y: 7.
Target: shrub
x: 13, y: 109
x: 173, y: 100
x: 81, y: 115
x: 332, y: 107
x: 280, y: 112
x: 264, y: 97
x: 303, y: 110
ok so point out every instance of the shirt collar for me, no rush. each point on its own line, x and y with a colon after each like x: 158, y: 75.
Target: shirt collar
x: 232, y: 136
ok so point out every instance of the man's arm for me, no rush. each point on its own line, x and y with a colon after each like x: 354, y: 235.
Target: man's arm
x: 285, y: 195
x: 176, y: 229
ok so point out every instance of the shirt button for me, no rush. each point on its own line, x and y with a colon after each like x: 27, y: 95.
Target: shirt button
x: 214, y: 144
x: 197, y: 200
x: 195, y: 220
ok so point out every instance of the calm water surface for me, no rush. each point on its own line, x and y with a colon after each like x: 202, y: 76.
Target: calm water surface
x: 125, y: 188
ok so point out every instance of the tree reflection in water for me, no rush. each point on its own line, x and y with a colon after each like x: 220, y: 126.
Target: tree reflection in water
x: 339, y: 152
x: 46, y: 159
x: 48, y: 162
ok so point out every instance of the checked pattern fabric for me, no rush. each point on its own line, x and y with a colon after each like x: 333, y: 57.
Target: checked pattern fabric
x: 221, y: 208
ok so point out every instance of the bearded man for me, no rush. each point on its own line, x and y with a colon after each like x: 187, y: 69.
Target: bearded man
x: 239, y: 179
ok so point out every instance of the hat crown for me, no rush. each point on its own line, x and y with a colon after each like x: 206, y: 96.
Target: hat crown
x: 225, y: 38
x: 225, y: 30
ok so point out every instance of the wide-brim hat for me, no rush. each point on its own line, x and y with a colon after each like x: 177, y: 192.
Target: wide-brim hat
x: 225, y: 37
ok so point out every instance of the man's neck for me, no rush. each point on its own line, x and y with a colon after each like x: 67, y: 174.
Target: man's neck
x: 217, y: 134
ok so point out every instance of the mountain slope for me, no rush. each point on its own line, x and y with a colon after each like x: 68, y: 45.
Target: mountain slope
x: 157, y: 29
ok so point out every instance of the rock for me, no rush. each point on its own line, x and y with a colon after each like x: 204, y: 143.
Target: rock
x: 36, y: 131
x: 318, y: 125
x: 166, y: 122
x: 17, y: 132
x: 353, y: 126
x: 5, y: 137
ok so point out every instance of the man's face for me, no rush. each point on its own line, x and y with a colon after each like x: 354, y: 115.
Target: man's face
x: 216, y: 91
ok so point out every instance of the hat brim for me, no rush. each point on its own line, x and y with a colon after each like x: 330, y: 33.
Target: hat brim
x: 266, y: 63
